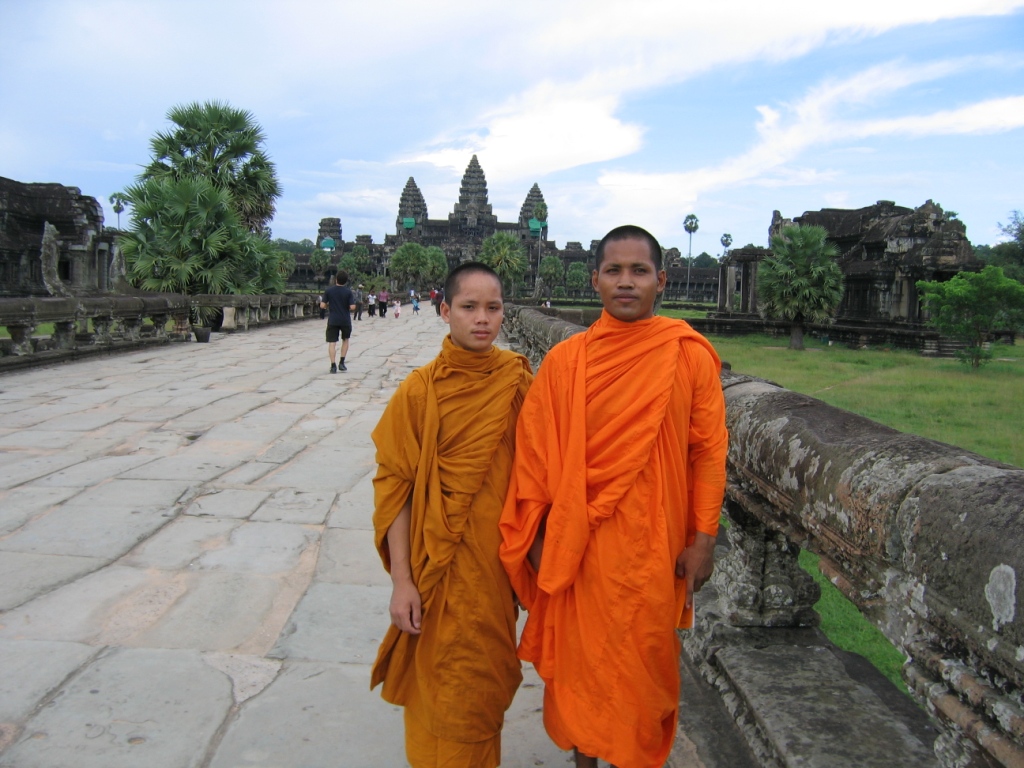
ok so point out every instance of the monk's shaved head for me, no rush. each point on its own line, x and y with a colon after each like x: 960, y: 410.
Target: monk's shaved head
x: 630, y: 232
x: 454, y: 280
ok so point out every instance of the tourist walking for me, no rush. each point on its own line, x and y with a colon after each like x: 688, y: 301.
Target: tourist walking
x: 382, y: 302
x: 357, y: 297
x: 398, y: 307
x: 438, y: 298
x: 339, y: 304
x: 371, y: 304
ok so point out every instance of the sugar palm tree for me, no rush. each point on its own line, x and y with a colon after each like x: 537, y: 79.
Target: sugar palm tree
x: 691, y: 224
x: 726, y: 242
x: 503, y: 253
x: 801, y: 281
x: 224, y: 145
x: 118, y: 201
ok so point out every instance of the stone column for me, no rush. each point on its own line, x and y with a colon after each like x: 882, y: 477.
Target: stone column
x: 760, y: 582
x: 102, y: 330
x: 21, y: 339
x: 64, y: 334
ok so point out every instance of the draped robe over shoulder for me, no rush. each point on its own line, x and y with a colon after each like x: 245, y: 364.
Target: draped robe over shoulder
x: 446, y: 442
x: 621, y: 448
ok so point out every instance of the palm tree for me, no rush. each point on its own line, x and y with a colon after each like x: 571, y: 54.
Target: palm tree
x: 185, y: 237
x: 801, y: 281
x: 540, y: 213
x: 691, y: 224
x: 222, y: 144
x: 503, y: 253
x: 726, y: 242
x: 118, y: 201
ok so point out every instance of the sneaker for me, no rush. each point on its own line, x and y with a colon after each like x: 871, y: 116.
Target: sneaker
x: 334, y: 368
x: 342, y: 367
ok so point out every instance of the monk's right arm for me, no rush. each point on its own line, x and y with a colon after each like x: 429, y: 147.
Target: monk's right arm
x: 405, y: 597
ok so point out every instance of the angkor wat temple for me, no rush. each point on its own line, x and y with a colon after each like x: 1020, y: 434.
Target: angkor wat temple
x: 472, y: 220
x: 461, y: 234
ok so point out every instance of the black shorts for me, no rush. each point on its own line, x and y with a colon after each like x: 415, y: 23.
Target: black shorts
x: 334, y: 330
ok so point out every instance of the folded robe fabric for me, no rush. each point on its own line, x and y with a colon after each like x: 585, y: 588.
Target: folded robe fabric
x: 446, y: 441
x: 621, y: 448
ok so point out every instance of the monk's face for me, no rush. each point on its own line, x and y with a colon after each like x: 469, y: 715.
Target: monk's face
x: 475, y: 312
x: 628, y: 281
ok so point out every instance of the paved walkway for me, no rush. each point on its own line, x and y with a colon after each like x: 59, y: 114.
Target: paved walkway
x: 187, y: 573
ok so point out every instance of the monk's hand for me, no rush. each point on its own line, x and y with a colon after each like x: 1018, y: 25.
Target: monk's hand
x: 695, y: 564
x: 406, y: 606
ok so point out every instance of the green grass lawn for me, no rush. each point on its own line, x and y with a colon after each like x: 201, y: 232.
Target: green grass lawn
x: 939, y: 399
x: 935, y: 398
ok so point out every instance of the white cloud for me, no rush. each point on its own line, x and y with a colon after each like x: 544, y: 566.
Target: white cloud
x: 540, y: 132
x: 992, y: 116
x: 817, y: 119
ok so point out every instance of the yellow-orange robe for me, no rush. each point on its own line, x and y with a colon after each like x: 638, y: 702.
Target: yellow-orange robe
x: 447, y: 440
x: 621, y: 448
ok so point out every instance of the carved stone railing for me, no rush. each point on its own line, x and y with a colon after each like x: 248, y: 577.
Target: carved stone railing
x: 240, y: 313
x: 85, y: 326
x: 925, y: 538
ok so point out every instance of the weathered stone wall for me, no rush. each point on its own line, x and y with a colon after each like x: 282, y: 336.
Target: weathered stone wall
x: 86, y: 325
x: 79, y: 253
x: 926, y: 538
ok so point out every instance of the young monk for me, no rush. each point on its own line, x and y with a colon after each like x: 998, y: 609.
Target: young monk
x: 444, y: 450
x: 610, y: 522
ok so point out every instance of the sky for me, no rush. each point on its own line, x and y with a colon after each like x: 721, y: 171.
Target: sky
x: 638, y: 112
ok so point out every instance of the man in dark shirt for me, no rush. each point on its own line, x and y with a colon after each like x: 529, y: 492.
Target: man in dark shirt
x: 339, y: 303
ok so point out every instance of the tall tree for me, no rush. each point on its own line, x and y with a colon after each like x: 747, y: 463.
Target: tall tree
x: 409, y: 264
x: 185, y: 237
x: 118, y: 200
x: 551, y: 272
x: 691, y: 224
x: 540, y: 213
x: 503, y: 253
x: 801, y: 281
x: 320, y: 261
x: 726, y: 242
x: 1009, y: 254
x: 224, y: 145
x: 971, y: 306
x: 361, y: 259
x: 437, y: 265
x: 577, y: 277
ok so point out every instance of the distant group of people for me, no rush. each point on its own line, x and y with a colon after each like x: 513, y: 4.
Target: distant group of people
x: 588, y: 496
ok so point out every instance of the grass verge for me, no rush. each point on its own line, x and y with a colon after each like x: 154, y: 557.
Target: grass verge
x: 935, y: 398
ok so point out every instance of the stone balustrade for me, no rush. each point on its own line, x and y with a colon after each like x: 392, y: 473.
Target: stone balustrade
x: 106, y: 323
x: 925, y: 538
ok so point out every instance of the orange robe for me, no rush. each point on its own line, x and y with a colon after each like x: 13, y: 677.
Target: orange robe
x: 621, y: 448
x: 446, y: 440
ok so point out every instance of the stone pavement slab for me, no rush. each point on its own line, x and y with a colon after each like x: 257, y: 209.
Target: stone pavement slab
x: 191, y: 580
x: 32, y: 669
x: 129, y: 708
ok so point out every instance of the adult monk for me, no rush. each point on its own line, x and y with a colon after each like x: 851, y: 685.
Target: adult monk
x: 610, y: 522
x: 444, y: 450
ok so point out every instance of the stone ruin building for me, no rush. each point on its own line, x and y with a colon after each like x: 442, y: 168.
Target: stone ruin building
x: 53, y: 243
x: 884, y: 250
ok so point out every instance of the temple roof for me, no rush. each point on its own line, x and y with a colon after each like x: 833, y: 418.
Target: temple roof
x: 534, y: 197
x: 412, y: 205
x: 473, y: 191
